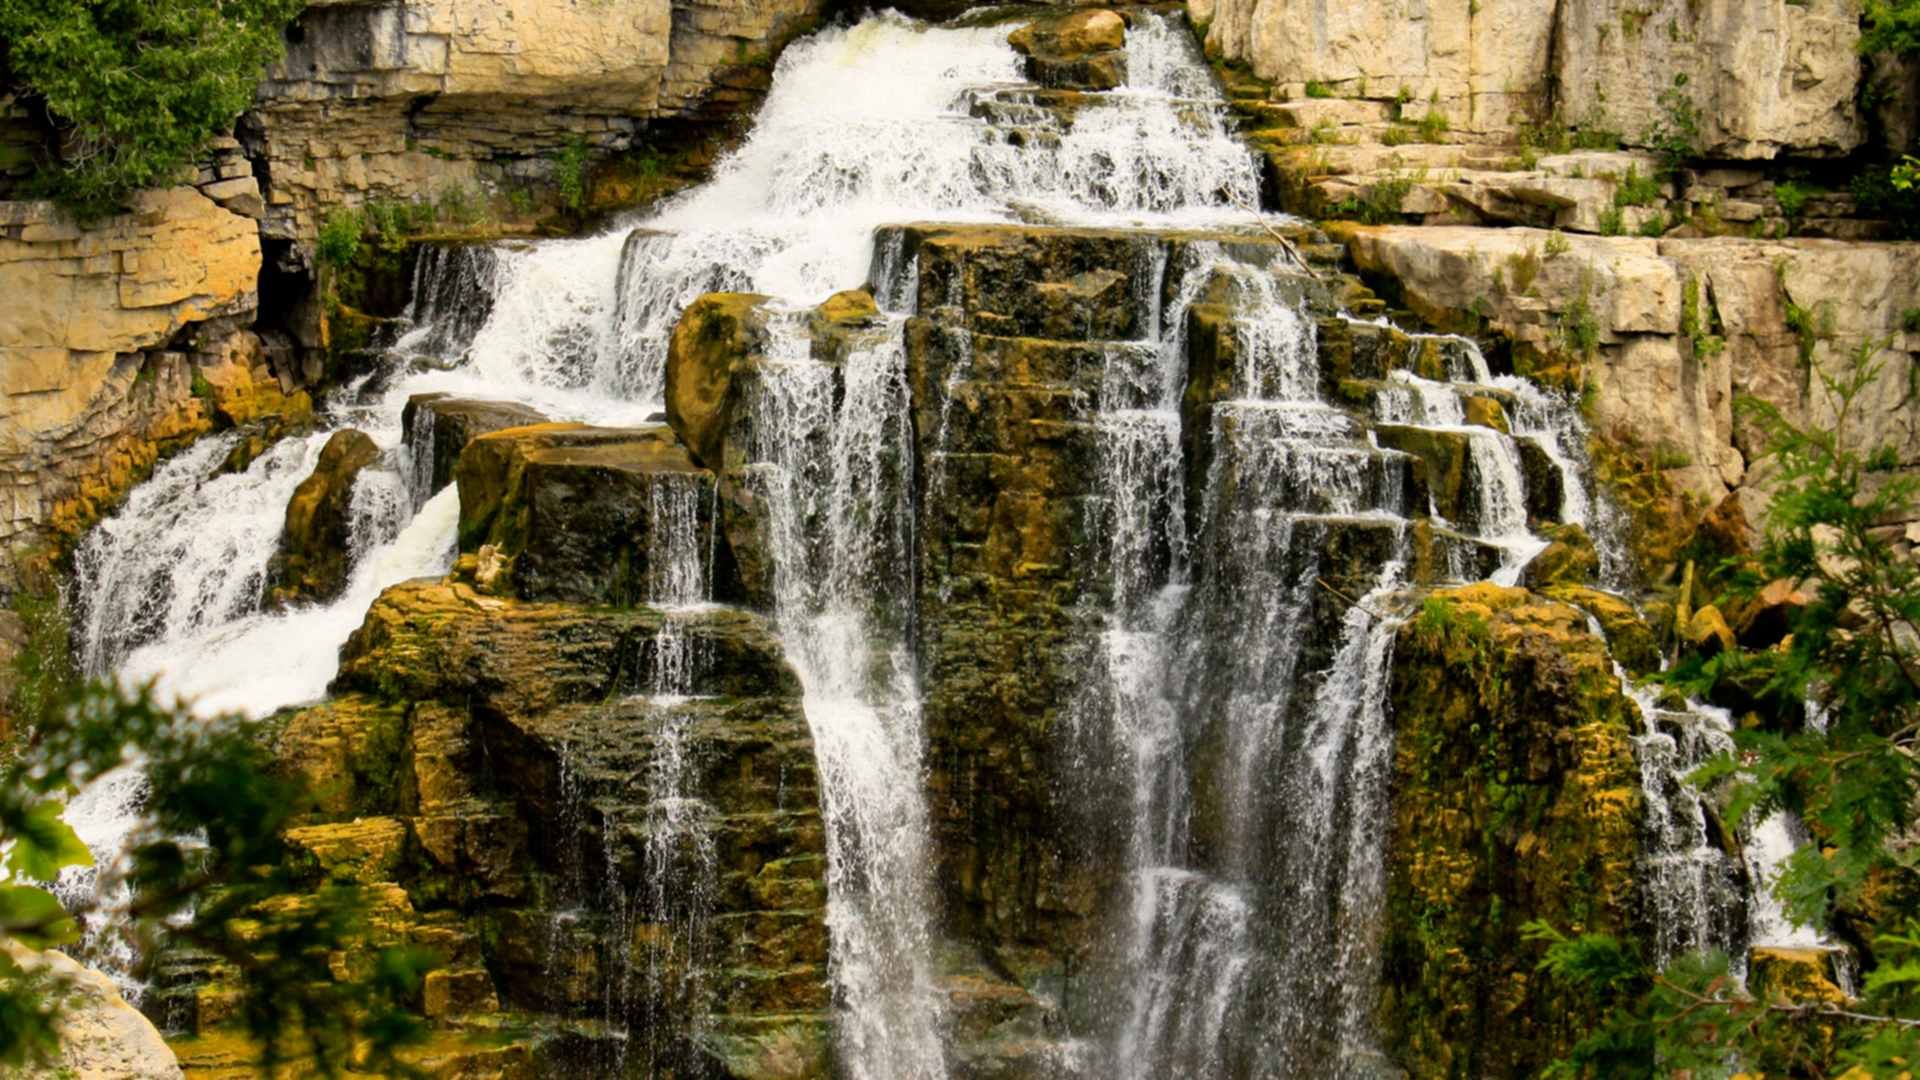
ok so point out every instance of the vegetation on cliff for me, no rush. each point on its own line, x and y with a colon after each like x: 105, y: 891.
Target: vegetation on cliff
x: 131, y: 91
x: 1830, y: 726
x: 210, y: 867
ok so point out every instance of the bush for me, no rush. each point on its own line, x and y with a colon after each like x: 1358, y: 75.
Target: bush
x: 134, y: 89
x: 339, y: 239
x: 570, y: 174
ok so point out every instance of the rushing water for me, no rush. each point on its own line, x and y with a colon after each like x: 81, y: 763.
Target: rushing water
x: 1249, y: 739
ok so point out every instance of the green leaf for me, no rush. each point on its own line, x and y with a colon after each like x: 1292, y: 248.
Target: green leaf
x: 34, y: 917
x: 46, y: 844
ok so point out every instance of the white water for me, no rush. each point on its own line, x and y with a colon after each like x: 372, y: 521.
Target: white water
x: 880, y: 123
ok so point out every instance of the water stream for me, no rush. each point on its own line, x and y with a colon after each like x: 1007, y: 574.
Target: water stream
x: 1238, y: 696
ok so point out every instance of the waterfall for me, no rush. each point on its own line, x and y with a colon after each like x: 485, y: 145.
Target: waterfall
x: 833, y: 458
x: 1241, y: 639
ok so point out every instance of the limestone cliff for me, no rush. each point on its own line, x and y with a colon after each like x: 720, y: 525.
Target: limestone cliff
x: 406, y: 100
x: 1770, y: 79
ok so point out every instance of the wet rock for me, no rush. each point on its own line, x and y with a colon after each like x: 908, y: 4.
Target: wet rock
x: 1629, y: 636
x: 581, y: 513
x: 439, y: 426
x: 715, y: 337
x: 1788, y: 976
x: 1485, y: 411
x: 1546, y: 483
x: 1568, y: 559
x: 316, y: 546
x: 1515, y: 797
x: 1085, y: 50
x: 1443, y: 462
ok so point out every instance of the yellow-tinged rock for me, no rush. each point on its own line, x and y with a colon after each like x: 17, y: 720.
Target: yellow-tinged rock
x: 1707, y: 631
x: 1792, y: 976
x: 365, y: 850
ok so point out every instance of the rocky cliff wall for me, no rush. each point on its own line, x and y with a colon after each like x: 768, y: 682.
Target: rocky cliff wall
x: 1770, y: 78
x: 119, y: 340
x: 405, y: 100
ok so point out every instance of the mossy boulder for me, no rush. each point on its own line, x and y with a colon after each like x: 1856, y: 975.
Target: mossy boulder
x: 580, y: 513
x: 316, y: 544
x: 1568, y: 559
x: 715, y: 336
x: 1515, y: 798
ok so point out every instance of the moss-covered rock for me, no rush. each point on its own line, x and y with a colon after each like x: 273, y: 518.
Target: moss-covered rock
x: 1081, y: 50
x: 1568, y: 558
x: 1515, y: 797
x: 316, y: 544
x: 715, y: 336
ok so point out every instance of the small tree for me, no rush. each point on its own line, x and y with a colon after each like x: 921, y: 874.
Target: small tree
x: 1832, y: 737
x: 134, y: 89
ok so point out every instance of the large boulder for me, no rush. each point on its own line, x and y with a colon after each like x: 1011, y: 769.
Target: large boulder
x: 585, y: 514
x: 315, y: 556
x: 716, y: 336
x: 101, y: 1036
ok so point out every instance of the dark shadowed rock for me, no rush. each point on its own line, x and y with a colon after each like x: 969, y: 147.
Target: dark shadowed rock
x: 315, y: 553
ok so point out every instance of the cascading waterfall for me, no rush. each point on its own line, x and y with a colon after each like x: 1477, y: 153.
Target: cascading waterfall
x: 1237, y: 698
x: 833, y: 455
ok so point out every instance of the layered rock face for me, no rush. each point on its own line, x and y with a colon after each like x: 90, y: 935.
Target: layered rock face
x: 408, y: 100
x: 1516, y: 797
x: 1674, y: 331
x: 1768, y: 79
x: 120, y: 341
x: 578, y: 848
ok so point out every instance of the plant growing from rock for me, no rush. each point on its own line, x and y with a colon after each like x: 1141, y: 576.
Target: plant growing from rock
x: 1675, y: 133
x: 1831, y: 733
x: 132, y: 92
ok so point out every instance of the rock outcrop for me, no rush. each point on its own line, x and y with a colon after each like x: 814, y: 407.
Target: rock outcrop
x: 101, y: 1036
x: 1669, y: 333
x: 120, y: 341
x: 581, y: 854
x: 1515, y: 797
x: 437, y: 427
x: 582, y: 514
x: 1767, y: 79
x: 316, y: 544
x: 408, y: 100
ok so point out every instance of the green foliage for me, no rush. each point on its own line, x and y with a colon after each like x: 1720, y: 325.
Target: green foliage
x: 1910, y: 320
x: 1612, y: 221
x: 44, y: 674
x: 1397, y: 135
x: 134, y: 89
x: 1792, y: 198
x: 1381, y: 204
x: 1579, y: 324
x: 1318, y: 89
x: 1675, y: 133
x: 1558, y: 244
x: 339, y: 239
x: 208, y: 869
x: 1891, y: 26
x: 1892, y: 193
x: 1852, y: 777
x: 1636, y: 190
x: 570, y: 174
x: 1433, y: 126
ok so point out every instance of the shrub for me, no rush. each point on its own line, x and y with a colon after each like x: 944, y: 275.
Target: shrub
x: 1675, y: 133
x: 339, y: 239
x: 570, y: 174
x: 1636, y: 190
x: 135, y: 90
x: 1792, y: 198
